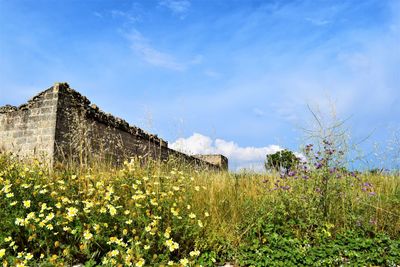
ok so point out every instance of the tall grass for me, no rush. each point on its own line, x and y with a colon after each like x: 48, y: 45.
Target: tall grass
x: 134, y: 215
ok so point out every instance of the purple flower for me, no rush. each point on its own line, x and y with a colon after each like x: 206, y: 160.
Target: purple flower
x: 372, y: 194
x: 318, y: 165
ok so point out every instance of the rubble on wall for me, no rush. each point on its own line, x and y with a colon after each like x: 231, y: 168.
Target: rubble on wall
x: 37, y: 127
x: 97, y: 114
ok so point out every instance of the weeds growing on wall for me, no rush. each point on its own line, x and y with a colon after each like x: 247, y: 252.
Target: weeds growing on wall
x: 158, y: 214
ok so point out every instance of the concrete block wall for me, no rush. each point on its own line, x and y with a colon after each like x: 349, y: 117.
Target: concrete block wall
x: 29, y: 129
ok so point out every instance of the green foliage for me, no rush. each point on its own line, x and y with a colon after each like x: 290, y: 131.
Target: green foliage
x: 138, y: 217
x: 283, y: 159
x: 140, y: 213
x: 347, y: 248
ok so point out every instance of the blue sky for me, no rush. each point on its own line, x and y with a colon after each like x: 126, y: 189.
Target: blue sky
x: 221, y: 76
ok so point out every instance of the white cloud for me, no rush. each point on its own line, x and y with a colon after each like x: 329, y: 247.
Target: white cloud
x: 98, y: 14
x: 177, y: 7
x: 142, y: 47
x: 318, y: 22
x: 124, y: 15
x: 239, y: 157
x: 154, y: 57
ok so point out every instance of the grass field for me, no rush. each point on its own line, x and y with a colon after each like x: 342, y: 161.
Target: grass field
x: 163, y: 214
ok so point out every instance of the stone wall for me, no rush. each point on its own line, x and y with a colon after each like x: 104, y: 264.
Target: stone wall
x: 62, y: 125
x: 29, y: 129
x: 84, y: 132
x: 218, y: 160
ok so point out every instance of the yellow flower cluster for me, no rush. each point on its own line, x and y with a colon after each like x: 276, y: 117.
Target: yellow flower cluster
x: 136, y: 216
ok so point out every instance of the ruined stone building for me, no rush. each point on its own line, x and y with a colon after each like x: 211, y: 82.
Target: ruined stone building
x: 60, y: 125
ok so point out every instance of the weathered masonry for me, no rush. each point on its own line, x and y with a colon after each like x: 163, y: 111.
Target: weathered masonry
x: 61, y: 125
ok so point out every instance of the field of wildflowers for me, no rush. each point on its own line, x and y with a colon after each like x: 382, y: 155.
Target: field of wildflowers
x: 163, y: 214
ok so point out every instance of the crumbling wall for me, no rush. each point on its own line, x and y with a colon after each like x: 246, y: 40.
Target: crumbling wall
x: 85, y: 133
x: 29, y: 129
x: 218, y: 160
x: 63, y: 126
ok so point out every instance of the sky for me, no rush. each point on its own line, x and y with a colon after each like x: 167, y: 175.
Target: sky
x: 231, y: 77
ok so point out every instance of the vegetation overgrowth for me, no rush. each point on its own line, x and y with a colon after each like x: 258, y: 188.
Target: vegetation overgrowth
x: 161, y: 214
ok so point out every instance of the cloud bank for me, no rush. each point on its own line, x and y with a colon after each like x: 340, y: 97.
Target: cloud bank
x: 239, y: 157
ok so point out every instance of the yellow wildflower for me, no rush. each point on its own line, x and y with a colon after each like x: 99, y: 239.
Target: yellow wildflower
x: 87, y: 235
x: 96, y: 227
x: 174, y: 211
x: 114, y: 253
x: 112, y: 210
x: 66, y: 252
x: 19, y: 221
x: 184, y: 262
x: 192, y: 215
x: 194, y: 253
x: 140, y: 263
x: 30, y: 216
x: 27, y: 203
x: 50, y: 216
x: 71, y: 213
x: 2, y: 253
